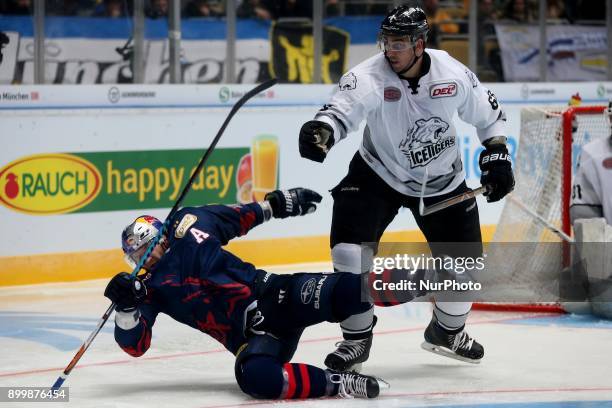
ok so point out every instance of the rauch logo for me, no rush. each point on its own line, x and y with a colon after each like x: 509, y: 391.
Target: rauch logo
x: 49, y: 184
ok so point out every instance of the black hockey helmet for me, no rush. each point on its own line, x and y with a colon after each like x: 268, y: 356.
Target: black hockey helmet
x: 406, y: 20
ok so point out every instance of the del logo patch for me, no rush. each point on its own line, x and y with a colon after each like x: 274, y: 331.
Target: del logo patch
x: 443, y: 90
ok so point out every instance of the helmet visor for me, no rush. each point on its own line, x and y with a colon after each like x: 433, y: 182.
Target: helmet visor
x: 394, y: 43
x: 133, y: 258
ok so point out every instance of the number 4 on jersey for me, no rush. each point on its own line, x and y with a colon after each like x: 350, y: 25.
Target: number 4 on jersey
x: 199, y: 236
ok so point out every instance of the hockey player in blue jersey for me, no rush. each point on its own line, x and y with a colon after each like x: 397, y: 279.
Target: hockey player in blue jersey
x: 258, y: 316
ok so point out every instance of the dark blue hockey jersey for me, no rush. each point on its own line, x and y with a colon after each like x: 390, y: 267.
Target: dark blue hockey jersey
x: 197, y: 282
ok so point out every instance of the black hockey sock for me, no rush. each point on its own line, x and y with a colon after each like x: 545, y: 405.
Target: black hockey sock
x: 346, y: 297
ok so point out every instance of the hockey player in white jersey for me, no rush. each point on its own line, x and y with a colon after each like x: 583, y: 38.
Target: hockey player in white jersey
x: 408, y: 96
x: 592, y: 187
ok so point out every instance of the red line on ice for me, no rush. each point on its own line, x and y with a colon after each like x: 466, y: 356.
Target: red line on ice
x: 220, y: 350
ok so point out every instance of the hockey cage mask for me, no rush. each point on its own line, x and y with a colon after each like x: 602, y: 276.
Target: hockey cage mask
x: 136, y: 237
x: 403, y: 21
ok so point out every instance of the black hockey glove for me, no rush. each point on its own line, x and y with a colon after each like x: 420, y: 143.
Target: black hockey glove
x: 126, y: 292
x: 296, y: 201
x: 316, y: 138
x: 496, y: 169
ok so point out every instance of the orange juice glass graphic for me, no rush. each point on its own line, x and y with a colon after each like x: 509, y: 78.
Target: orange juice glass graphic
x: 264, y: 153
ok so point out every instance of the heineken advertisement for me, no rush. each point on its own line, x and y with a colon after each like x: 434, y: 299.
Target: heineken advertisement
x: 55, y: 183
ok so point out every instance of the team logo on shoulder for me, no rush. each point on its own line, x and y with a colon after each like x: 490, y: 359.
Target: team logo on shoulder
x: 425, y: 141
x: 348, y: 82
x: 307, y: 290
x: 443, y: 90
x: 472, y: 77
x: 392, y: 94
x: 187, y: 221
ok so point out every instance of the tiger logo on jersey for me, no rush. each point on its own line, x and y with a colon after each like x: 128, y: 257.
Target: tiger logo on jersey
x: 425, y: 141
x: 348, y: 82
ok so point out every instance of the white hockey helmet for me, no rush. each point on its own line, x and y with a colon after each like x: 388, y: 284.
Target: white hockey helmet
x: 136, y: 237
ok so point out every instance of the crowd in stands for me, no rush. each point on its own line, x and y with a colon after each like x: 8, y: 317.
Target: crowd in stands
x: 449, y: 16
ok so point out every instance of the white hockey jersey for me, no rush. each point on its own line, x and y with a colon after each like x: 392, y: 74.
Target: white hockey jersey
x: 592, y: 185
x: 408, y: 130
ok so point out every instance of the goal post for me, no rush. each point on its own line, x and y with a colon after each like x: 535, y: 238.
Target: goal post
x: 571, y: 129
x: 531, y: 252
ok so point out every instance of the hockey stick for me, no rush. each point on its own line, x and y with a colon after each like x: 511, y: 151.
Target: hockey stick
x: 261, y: 87
x: 541, y: 220
x: 459, y: 198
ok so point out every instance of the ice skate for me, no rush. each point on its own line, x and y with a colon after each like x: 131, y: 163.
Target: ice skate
x: 351, y: 353
x: 459, y: 346
x: 353, y: 385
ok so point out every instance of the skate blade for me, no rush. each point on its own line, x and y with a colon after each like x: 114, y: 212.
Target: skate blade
x: 446, y: 353
x: 356, y: 368
x: 382, y: 384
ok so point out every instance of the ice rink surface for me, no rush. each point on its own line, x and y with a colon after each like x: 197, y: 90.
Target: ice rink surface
x: 531, y: 360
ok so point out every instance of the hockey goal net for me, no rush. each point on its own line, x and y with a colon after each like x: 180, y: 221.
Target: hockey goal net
x: 550, y: 142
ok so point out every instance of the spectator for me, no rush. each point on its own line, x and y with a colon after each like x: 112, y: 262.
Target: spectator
x: 111, y: 9
x: 488, y: 48
x: 555, y: 10
x: 332, y: 8
x: 253, y: 9
x: 519, y: 11
x: 487, y: 16
x: 158, y: 8
x: 288, y: 8
x: 19, y: 7
x: 203, y: 8
x: 64, y: 7
x: 366, y: 9
x: 438, y: 17
x: 274, y: 9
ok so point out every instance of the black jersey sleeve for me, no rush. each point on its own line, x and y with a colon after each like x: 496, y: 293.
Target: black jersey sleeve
x: 224, y: 222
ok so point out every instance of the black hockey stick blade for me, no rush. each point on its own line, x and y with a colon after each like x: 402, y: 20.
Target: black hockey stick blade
x: 259, y: 88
